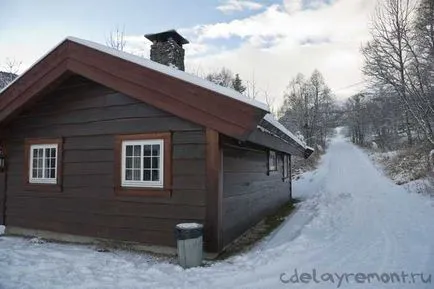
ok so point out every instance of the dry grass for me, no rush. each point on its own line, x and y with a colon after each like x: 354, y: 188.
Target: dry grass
x: 407, y: 164
x: 300, y: 165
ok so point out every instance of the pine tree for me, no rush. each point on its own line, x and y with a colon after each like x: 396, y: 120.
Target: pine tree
x: 237, y: 84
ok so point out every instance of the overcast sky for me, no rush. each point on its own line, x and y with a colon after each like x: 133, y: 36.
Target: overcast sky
x: 269, y: 41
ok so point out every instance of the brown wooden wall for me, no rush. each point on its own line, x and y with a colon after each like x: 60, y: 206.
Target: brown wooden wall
x: 249, y: 193
x: 88, y: 116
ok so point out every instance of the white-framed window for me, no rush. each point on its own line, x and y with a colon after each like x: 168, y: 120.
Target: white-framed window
x: 272, y: 161
x: 43, y: 164
x: 143, y: 163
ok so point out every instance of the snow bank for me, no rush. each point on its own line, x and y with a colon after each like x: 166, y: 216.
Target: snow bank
x: 353, y: 219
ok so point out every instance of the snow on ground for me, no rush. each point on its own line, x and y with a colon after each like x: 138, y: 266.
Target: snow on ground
x: 352, y: 220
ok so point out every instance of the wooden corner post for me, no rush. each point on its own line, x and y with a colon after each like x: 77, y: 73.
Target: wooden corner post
x: 213, y: 222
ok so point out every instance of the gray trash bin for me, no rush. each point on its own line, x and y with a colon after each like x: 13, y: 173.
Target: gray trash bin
x: 190, y: 243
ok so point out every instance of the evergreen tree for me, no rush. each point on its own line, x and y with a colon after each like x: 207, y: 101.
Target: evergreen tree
x: 237, y: 84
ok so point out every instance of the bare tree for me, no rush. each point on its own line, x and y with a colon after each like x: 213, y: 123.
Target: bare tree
x: 223, y: 77
x: 116, y: 39
x: 307, y: 108
x: 392, y: 61
x: 9, y: 71
x: 12, y: 65
x: 270, y: 100
x: 252, y: 90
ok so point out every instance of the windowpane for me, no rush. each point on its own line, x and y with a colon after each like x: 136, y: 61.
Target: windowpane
x: 155, y: 175
x: 146, y: 163
x: 35, y: 162
x: 272, y: 161
x: 53, y: 162
x: 128, y: 174
x: 47, y: 153
x: 34, y: 173
x: 47, y: 163
x: 147, y: 150
x: 137, y: 151
x: 129, y: 163
x: 136, y: 175
x: 136, y: 162
x: 129, y: 151
x: 147, y: 175
x: 53, y: 152
x: 47, y: 173
x: 155, y: 150
x: 39, y: 174
x: 52, y: 173
x: 155, y: 163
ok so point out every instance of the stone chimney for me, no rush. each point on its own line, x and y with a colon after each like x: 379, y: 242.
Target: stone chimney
x: 167, y: 48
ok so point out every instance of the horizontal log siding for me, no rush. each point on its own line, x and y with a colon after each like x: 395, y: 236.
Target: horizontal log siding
x: 249, y: 193
x: 88, y: 116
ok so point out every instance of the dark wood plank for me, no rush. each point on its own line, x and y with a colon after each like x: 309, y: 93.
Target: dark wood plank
x: 162, y: 238
x: 108, y: 207
x: 249, y: 193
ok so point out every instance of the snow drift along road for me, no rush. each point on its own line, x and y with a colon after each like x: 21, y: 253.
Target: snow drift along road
x: 353, y: 220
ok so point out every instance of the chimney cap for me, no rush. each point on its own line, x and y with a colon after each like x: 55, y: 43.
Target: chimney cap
x: 165, y: 35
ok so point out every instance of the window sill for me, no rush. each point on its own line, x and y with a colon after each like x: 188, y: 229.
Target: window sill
x: 143, y: 192
x: 43, y: 187
x: 271, y: 173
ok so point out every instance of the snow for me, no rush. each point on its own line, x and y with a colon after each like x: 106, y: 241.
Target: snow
x: 352, y: 219
x: 189, y: 226
x: 270, y: 118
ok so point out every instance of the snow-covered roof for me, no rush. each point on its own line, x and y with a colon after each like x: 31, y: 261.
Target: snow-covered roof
x: 187, y: 77
x: 274, y: 122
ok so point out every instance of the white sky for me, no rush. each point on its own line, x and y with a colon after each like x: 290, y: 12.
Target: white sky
x: 285, y: 39
x: 269, y: 41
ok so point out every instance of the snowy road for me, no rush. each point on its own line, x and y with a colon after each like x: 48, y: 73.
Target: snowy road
x: 353, y: 220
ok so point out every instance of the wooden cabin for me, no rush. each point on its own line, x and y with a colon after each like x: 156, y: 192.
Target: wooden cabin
x: 103, y: 144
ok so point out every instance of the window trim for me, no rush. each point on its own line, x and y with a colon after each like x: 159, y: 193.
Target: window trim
x: 42, y: 180
x: 152, y: 191
x: 143, y: 184
x: 38, y: 185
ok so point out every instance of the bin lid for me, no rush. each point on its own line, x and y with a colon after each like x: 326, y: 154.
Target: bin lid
x: 189, y: 226
x: 185, y: 231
